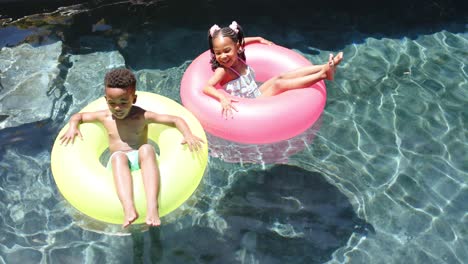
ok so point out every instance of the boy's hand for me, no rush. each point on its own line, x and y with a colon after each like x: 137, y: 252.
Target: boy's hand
x: 70, y: 136
x: 194, y: 143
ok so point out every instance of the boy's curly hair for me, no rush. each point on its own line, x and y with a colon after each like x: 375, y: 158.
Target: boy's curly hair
x: 120, y: 78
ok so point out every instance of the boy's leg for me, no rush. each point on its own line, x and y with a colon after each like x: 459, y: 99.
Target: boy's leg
x: 124, y: 185
x: 150, y: 173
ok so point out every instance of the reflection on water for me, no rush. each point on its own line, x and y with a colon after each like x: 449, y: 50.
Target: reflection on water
x: 383, y: 179
x: 272, y: 153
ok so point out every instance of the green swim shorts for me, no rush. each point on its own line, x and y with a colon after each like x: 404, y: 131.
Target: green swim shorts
x: 132, y: 160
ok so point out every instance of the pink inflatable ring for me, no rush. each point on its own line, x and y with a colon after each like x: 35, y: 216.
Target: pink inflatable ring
x: 261, y: 120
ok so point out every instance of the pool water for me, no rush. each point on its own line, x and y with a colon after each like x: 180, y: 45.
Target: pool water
x: 381, y: 178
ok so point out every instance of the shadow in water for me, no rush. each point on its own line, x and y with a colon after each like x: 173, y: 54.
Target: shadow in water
x: 147, y: 246
x: 288, y: 215
x: 29, y: 138
x: 152, y: 35
x: 282, y: 215
x: 190, y: 245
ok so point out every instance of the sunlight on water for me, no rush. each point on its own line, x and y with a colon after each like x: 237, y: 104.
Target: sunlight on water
x: 382, y: 177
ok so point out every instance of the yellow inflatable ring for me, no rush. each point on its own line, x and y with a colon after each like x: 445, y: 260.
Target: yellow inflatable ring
x: 89, y: 187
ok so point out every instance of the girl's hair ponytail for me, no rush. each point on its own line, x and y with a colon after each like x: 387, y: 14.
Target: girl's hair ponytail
x: 234, y: 32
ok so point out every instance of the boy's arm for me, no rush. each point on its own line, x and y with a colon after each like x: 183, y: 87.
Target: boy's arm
x: 74, y: 123
x: 193, y: 142
x: 249, y: 40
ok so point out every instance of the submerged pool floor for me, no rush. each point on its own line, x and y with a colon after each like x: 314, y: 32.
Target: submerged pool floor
x: 382, y: 179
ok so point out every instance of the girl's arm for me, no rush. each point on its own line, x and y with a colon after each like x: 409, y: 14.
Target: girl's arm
x: 74, y: 123
x: 249, y: 40
x: 210, y: 89
x: 193, y: 142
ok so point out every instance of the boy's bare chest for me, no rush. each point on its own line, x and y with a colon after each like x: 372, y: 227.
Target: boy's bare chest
x: 128, y: 129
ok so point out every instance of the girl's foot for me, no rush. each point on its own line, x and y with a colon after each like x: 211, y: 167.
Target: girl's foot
x: 331, y: 68
x: 333, y: 61
x: 130, y: 216
x: 338, y: 58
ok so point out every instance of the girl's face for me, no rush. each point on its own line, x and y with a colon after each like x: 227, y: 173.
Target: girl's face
x: 225, y: 51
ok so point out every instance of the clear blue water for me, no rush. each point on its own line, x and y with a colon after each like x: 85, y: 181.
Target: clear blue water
x: 381, y: 179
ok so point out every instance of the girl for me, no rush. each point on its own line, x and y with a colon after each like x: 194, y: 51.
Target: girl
x: 232, y: 72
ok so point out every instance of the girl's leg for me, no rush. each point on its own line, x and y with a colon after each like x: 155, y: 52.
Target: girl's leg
x: 124, y: 185
x: 293, y: 80
x: 303, y: 71
x: 301, y: 77
x: 313, y: 69
x: 150, y: 173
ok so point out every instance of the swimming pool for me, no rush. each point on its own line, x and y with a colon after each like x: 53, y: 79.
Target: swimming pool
x: 383, y: 179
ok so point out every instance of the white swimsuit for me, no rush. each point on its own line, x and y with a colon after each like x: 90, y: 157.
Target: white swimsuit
x: 244, y: 86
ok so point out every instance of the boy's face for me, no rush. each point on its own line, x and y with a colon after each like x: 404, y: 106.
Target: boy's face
x: 120, y: 101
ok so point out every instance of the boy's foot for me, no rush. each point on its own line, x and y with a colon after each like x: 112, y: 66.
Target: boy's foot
x: 151, y: 222
x: 130, y: 216
x: 152, y: 218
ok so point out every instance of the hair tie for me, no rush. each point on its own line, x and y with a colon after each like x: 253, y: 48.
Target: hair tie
x: 213, y: 29
x: 233, y: 26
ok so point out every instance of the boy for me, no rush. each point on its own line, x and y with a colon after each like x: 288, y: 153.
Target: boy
x: 127, y: 128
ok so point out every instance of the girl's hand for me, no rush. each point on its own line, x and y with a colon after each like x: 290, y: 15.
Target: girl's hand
x: 261, y: 40
x: 194, y: 143
x: 265, y: 41
x: 227, y: 107
x: 70, y: 136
